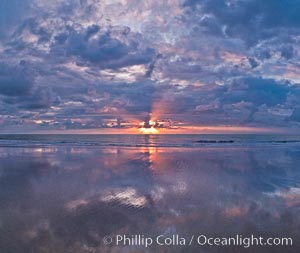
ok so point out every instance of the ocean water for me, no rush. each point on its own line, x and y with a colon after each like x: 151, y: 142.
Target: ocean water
x: 69, y: 193
x: 131, y: 140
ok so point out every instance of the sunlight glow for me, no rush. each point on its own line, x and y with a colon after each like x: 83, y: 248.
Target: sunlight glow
x: 151, y: 130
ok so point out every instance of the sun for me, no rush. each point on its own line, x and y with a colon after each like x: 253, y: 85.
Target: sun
x: 148, y: 126
x: 150, y: 130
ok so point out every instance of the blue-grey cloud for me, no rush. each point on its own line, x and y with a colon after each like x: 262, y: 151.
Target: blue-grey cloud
x: 79, y: 63
x: 251, y: 20
x: 92, y: 46
x: 257, y: 91
x: 11, y: 13
x: 14, y: 80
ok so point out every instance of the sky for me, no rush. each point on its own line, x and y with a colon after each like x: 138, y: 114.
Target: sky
x: 83, y: 64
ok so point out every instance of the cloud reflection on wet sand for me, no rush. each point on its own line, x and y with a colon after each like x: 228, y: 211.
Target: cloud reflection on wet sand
x: 64, y: 199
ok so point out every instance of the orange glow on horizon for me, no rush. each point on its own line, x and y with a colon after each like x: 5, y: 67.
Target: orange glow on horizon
x: 184, y: 129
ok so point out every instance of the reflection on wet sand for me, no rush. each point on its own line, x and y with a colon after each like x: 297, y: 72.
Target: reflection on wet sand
x: 65, y: 199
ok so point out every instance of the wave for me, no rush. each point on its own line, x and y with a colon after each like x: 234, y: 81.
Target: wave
x: 215, y: 141
x: 140, y: 141
x: 285, y: 141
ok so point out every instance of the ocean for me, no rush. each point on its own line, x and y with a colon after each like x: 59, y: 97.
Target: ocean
x: 140, y: 140
x: 114, y: 193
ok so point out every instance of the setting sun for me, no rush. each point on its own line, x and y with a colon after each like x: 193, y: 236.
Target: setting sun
x: 150, y: 130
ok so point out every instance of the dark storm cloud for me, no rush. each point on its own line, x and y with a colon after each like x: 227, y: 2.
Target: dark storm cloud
x: 246, y: 99
x: 287, y: 51
x: 257, y: 91
x: 253, y: 62
x: 296, y: 115
x: 15, y: 80
x: 212, y: 25
x: 38, y: 99
x: 250, y: 20
x: 20, y: 91
x: 91, y: 46
x: 136, y: 98
x: 220, y: 60
x: 182, y: 70
x: 33, y: 27
x: 11, y: 12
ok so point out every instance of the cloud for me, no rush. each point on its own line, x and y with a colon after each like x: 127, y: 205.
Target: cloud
x: 258, y: 91
x: 296, y: 115
x: 92, y: 47
x: 223, y: 61
x: 287, y: 52
x: 253, y: 63
x: 250, y: 20
x: 19, y: 89
x: 11, y: 13
x: 14, y: 80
